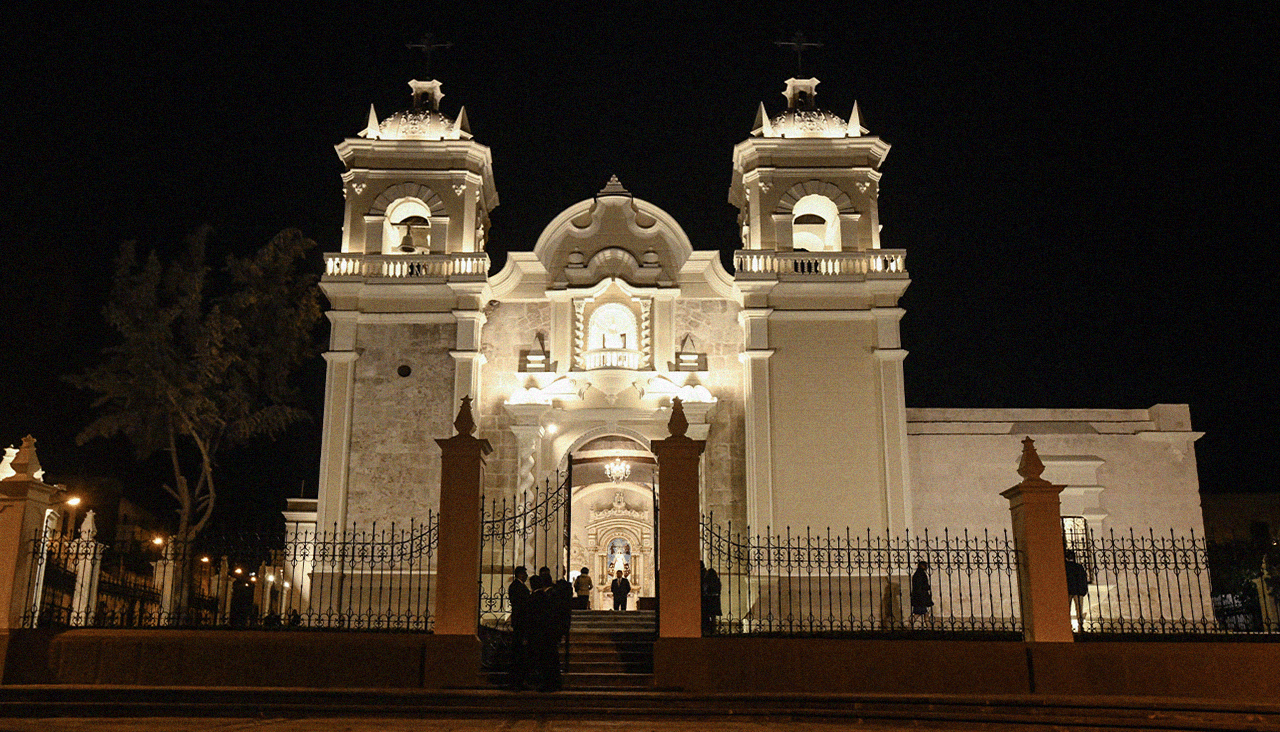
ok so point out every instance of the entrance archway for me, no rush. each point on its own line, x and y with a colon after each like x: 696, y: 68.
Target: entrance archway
x: 614, y: 524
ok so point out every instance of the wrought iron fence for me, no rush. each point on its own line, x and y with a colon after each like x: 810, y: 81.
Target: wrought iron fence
x: 530, y: 531
x: 1158, y: 584
x: 865, y: 583
x: 378, y: 578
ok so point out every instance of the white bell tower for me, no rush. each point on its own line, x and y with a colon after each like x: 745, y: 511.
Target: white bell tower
x: 407, y: 295
x: 825, y: 414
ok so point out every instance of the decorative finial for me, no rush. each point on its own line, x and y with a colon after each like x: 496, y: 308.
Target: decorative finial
x: 678, y: 425
x: 88, y: 527
x: 855, y: 121
x: 613, y: 188
x: 26, y: 464
x: 762, y: 126
x: 372, y: 128
x: 1029, y: 465
x: 464, y: 423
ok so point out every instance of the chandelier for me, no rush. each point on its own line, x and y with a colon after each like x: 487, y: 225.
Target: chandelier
x: 618, y: 470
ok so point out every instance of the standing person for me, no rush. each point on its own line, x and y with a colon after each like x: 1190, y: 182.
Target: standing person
x: 620, y: 588
x: 544, y: 632
x: 921, y: 593
x: 583, y: 586
x: 710, y: 599
x: 1077, y: 586
x: 518, y: 598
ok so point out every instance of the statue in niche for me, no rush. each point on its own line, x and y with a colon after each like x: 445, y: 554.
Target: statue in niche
x: 619, y: 557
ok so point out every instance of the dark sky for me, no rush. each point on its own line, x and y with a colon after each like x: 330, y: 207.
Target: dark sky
x: 1085, y: 198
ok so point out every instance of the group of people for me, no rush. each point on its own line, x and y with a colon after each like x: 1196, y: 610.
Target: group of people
x: 540, y: 613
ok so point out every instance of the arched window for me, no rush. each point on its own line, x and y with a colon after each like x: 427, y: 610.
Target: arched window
x: 406, y: 227
x: 613, y: 326
x: 815, y: 224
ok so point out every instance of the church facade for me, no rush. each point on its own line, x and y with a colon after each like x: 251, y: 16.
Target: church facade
x: 790, y: 366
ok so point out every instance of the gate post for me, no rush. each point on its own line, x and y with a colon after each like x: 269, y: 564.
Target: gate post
x: 1042, y: 569
x: 458, y: 553
x: 24, y: 501
x: 679, y: 581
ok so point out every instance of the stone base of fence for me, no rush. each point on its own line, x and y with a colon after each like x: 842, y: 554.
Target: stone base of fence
x: 1221, y: 670
x: 231, y: 658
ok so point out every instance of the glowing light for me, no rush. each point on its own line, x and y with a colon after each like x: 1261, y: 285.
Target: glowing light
x: 618, y: 470
x: 253, y: 579
x: 73, y: 501
x: 552, y: 429
x: 271, y: 578
x: 204, y: 559
x: 239, y: 571
x: 286, y: 585
x: 157, y: 541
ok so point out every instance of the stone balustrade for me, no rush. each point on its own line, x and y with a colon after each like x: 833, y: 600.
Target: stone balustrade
x: 612, y: 358
x: 406, y: 266
x: 764, y: 264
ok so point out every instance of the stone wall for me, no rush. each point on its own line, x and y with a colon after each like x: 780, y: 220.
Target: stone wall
x: 509, y: 329
x: 716, y: 332
x: 395, y: 462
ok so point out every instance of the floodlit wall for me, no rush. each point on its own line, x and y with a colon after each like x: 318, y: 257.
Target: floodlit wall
x: 1122, y: 469
x: 827, y: 453
x: 395, y: 463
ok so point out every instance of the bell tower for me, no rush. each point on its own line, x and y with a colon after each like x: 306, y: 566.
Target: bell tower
x: 822, y: 363
x: 407, y: 295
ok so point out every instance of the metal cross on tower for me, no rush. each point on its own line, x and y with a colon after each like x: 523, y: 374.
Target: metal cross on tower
x: 426, y: 45
x: 799, y: 43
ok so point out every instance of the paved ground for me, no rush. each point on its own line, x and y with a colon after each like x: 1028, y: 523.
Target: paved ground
x: 755, y: 724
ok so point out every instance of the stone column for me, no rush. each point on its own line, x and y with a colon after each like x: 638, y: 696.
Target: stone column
x: 1037, y: 532
x: 24, y: 500
x: 458, y: 553
x: 86, y: 553
x: 679, y: 582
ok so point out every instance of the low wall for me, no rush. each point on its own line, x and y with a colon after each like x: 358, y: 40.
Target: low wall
x: 242, y: 658
x: 1228, y: 671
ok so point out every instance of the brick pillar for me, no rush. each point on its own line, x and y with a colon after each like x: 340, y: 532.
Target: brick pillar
x: 458, y: 553
x: 679, y: 582
x: 1037, y: 531
x: 23, y: 502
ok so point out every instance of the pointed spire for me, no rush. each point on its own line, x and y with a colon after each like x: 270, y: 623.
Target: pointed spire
x: 613, y: 188
x: 678, y: 425
x: 1029, y: 465
x: 465, y: 424
x: 461, y: 124
x: 371, y: 127
x: 762, y: 126
x: 855, y: 121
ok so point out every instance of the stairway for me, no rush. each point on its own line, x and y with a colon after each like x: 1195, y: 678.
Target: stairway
x: 611, y: 650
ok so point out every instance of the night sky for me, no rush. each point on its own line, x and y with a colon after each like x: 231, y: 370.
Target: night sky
x: 1086, y: 199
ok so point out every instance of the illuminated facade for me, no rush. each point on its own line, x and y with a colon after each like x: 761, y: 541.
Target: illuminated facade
x: 790, y: 367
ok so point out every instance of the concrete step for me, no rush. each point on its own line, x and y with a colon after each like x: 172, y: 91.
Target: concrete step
x: 611, y: 706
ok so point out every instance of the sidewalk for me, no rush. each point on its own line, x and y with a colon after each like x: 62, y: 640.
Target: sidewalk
x: 191, y: 709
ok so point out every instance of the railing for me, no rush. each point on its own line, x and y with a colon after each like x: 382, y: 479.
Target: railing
x: 406, y: 266
x: 872, y: 262
x: 378, y: 578
x: 825, y: 583
x: 1160, y: 584
x: 529, y: 531
x: 612, y: 358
